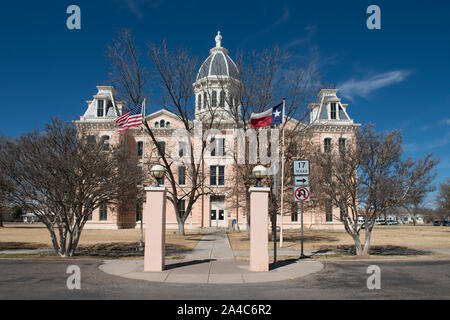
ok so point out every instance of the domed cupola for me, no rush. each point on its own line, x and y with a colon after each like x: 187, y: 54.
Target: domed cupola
x: 217, y: 87
x: 218, y: 63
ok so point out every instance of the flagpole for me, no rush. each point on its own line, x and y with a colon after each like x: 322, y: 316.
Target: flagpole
x: 141, y: 239
x: 282, y: 176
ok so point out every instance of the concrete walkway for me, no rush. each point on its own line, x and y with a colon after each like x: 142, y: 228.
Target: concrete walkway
x: 211, y: 261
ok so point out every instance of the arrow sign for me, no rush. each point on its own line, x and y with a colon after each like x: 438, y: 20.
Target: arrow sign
x: 301, y: 181
x: 301, y: 194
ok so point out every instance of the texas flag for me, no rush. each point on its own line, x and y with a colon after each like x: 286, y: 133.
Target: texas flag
x: 267, y: 118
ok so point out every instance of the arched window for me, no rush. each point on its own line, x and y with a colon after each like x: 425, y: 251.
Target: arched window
x: 199, y: 101
x: 156, y: 124
x: 222, y: 99
x: 205, y: 100
x: 214, y: 99
x: 168, y: 124
x: 162, y: 123
x: 105, y: 143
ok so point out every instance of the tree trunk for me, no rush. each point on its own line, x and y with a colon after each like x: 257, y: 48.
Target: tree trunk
x: 53, y: 238
x: 1, y: 218
x: 358, y: 246
x: 73, y: 243
x: 181, y: 228
x: 367, y: 241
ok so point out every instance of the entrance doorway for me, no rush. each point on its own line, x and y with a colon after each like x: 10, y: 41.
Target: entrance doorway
x: 217, y: 212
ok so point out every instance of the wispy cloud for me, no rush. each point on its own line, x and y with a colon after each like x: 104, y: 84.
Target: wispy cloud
x: 364, y: 87
x: 431, y: 145
x: 445, y: 122
x: 136, y: 7
x: 307, y: 39
x: 285, y: 16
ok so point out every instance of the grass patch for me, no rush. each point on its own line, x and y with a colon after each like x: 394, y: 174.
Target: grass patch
x: 391, y: 240
x: 92, y: 242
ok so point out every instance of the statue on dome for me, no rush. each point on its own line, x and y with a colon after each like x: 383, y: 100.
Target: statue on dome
x: 218, y: 40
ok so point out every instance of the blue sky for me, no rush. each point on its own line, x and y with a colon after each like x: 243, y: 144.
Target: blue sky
x: 396, y: 77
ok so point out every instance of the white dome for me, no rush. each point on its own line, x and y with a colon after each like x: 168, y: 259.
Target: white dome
x: 218, y: 63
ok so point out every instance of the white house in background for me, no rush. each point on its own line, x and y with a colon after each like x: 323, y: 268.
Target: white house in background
x: 29, y: 217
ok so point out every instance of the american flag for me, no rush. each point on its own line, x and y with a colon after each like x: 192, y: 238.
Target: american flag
x: 130, y: 118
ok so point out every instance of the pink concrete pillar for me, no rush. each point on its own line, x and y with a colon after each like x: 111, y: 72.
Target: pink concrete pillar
x: 259, y: 221
x: 155, y: 229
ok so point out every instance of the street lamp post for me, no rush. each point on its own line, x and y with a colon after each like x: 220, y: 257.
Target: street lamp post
x: 158, y: 172
x: 258, y: 173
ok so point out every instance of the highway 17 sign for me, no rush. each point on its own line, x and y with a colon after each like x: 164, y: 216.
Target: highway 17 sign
x: 301, y: 194
x: 301, y: 167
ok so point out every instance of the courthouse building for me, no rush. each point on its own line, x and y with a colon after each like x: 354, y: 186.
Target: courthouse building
x: 218, y: 78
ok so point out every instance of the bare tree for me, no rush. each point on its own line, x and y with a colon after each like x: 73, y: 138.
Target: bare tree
x: 174, y: 72
x: 62, y: 179
x: 3, y: 186
x: 443, y: 197
x: 368, y: 179
x: 268, y: 76
x: 419, y: 184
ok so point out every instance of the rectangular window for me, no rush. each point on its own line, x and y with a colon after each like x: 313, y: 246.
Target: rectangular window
x: 181, y: 148
x: 333, y: 111
x: 99, y: 108
x: 217, y: 175
x: 105, y: 143
x: 140, y: 146
x: 327, y: 145
x: 161, y: 148
x: 91, y: 140
x: 213, y: 175
x: 329, y: 211
x: 182, y: 175
x: 221, y: 147
x: 213, y: 150
x: 221, y: 176
x: 218, y: 147
x: 341, y: 145
x: 182, y: 207
x: 139, y: 211
x: 103, y: 212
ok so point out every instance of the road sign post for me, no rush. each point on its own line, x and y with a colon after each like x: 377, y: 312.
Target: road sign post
x: 302, y: 256
x: 302, y: 192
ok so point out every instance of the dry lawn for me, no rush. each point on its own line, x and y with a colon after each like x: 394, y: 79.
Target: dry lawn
x: 36, y: 236
x: 411, y: 237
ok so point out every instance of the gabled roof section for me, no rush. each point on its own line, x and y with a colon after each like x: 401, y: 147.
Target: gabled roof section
x: 111, y: 107
x: 162, y: 112
x: 321, y: 112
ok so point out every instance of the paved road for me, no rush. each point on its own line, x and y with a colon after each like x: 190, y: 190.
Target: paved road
x: 405, y: 279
